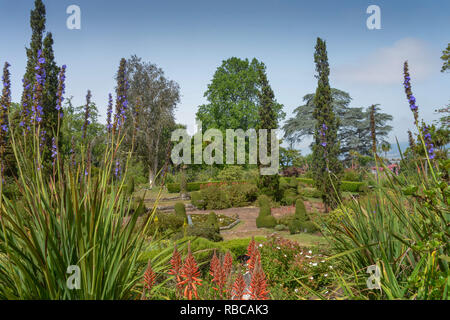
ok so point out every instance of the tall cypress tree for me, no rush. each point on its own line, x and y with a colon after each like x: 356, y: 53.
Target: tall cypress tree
x: 50, y: 96
x: 268, y: 184
x: 37, y: 23
x: 326, y: 166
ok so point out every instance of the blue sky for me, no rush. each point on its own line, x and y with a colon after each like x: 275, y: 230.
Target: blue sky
x: 189, y: 40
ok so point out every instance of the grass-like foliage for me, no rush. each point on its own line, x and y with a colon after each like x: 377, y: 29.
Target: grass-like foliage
x: 68, y: 216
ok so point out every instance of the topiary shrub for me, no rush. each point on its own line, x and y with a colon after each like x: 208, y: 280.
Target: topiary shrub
x: 300, y: 210
x: 173, y: 187
x: 265, y: 219
x: 301, y: 221
x: 263, y: 201
x: 180, y: 210
x: 289, y: 197
x: 213, y: 222
x: 293, y: 183
x: 266, y: 222
x: 197, y: 200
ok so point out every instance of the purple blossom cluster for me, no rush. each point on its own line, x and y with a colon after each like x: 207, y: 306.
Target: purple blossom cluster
x: 61, y: 89
x: 54, y: 148
x: 26, y: 98
x: 86, y: 113
x: 109, y: 113
x: 411, y: 99
x: 121, y: 95
x: 428, y: 142
x: 37, y: 110
x: 322, y: 132
x: 6, y: 98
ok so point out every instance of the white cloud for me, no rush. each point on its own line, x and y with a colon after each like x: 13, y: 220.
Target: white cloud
x: 385, y: 65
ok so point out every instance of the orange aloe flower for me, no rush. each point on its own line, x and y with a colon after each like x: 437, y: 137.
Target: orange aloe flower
x: 190, y: 275
x: 258, y: 284
x: 149, y: 279
x: 238, y: 287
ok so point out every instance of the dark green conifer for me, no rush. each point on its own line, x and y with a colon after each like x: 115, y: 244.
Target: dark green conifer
x: 326, y: 166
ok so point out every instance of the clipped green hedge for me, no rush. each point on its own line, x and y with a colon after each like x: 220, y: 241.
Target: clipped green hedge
x: 173, y: 187
x: 352, y: 186
x: 349, y: 186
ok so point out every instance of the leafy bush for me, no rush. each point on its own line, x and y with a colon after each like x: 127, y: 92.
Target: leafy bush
x: 215, y: 198
x: 213, y: 222
x: 173, y: 187
x: 289, y: 197
x: 265, y: 219
x: 308, y: 192
x: 351, y: 175
x: 351, y: 186
x: 207, y: 232
x: 180, y: 210
x: 231, y: 173
x: 241, y: 195
x: 266, y: 222
x: 301, y: 221
x: 197, y: 200
x: 166, y: 222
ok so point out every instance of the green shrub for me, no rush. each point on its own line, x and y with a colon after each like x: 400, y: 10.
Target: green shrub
x: 241, y: 195
x: 173, y: 187
x: 295, y: 226
x: 281, y: 227
x: 300, y: 210
x: 216, y: 198
x: 284, y: 184
x: 207, y: 232
x: 263, y: 201
x: 213, y: 222
x: 193, y: 186
x: 180, y: 210
x: 351, y: 175
x: 197, y: 200
x: 265, y: 219
x: 306, y: 181
x: 289, y: 197
x: 231, y: 173
x: 293, y: 182
x: 266, y: 222
x: 301, y: 221
x: 309, y: 192
x: 166, y: 222
x: 351, y: 186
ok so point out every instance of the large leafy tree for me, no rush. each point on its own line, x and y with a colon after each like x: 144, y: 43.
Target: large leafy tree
x: 153, y: 99
x: 233, y: 96
x: 326, y: 166
x: 354, y: 128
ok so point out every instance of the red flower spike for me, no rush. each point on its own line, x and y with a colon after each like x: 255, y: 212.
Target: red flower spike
x: 149, y: 279
x: 227, y: 264
x: 190, y: 276
x: 258, y: 284
x: 238, y: 288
